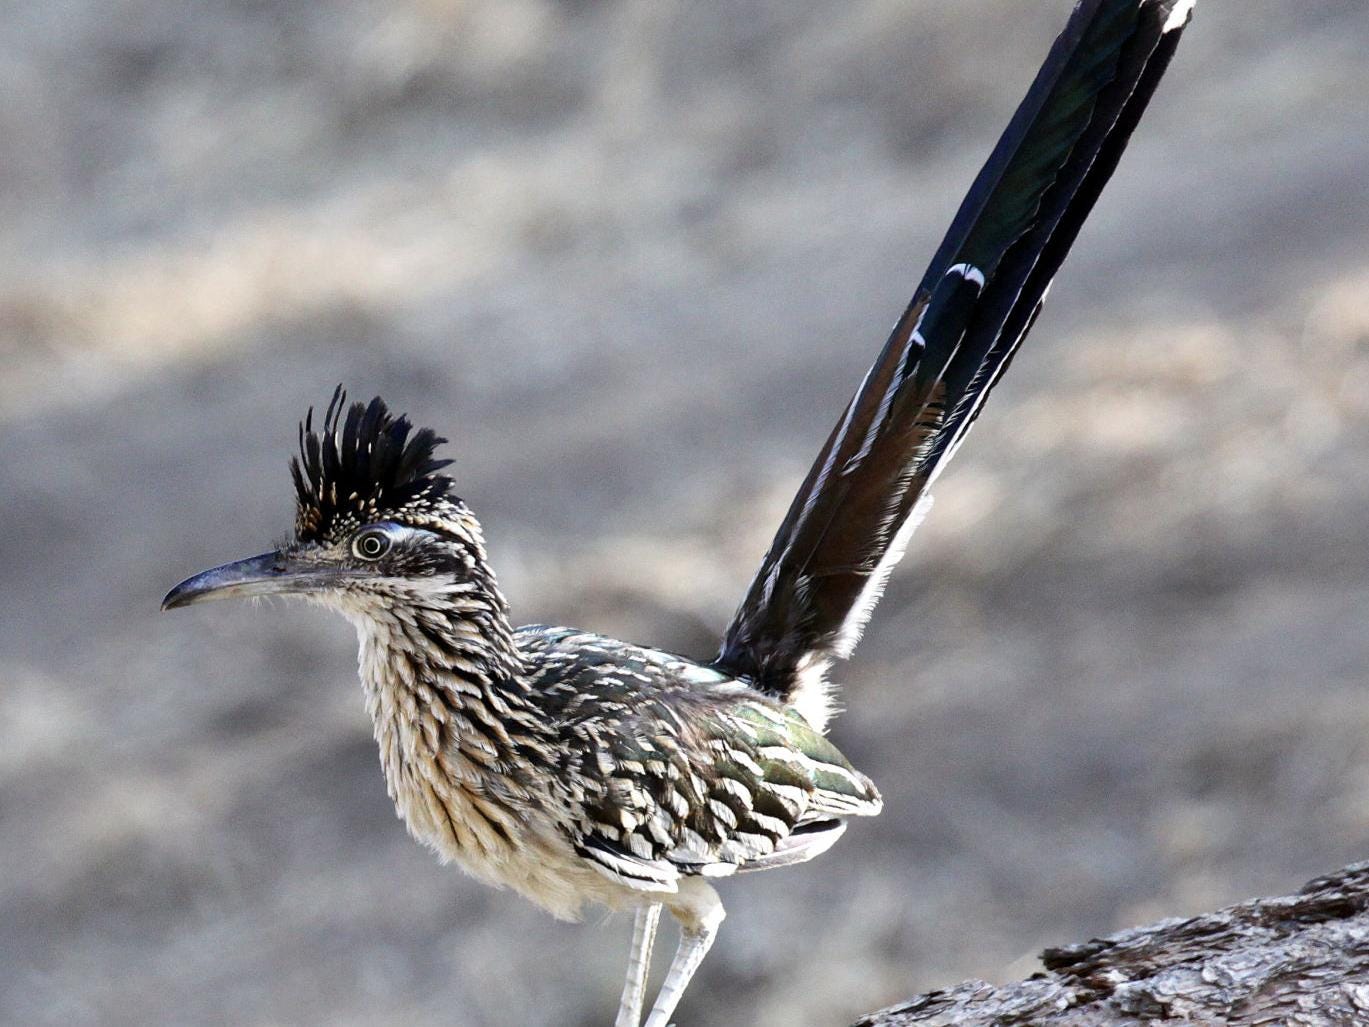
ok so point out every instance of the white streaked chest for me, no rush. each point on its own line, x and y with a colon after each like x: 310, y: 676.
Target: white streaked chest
x: 451, y: 792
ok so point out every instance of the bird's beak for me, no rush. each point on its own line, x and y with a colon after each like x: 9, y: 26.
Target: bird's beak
x: 265, y: 575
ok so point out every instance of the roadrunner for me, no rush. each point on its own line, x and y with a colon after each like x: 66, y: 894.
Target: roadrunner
x: 575, y: 768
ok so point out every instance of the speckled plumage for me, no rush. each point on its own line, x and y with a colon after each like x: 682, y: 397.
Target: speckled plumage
x: 565, y: 765
x: 575, y: 768
x: 682, y: 770
x: 640, y: 767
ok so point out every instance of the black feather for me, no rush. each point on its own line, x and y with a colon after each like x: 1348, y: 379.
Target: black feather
x: 977, y: 301
x: 365, y: 464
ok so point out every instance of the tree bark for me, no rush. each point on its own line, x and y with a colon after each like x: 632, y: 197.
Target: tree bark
x: 1302, y: 959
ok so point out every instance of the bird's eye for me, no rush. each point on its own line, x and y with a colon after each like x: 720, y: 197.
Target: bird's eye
x: 371, y: 545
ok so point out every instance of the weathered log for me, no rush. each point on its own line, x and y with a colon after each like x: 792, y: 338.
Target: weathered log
x: 1302, y: 959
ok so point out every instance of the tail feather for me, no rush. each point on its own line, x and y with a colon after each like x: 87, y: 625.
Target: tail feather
x: 979, y: 298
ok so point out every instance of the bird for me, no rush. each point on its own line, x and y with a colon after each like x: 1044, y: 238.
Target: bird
x: 577, y: 769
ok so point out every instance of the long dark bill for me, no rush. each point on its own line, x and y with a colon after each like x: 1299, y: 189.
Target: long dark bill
x: 264, y: 575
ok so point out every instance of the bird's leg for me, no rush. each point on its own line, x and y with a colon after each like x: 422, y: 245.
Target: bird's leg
x: 638, y: 964
x: 698, y: 927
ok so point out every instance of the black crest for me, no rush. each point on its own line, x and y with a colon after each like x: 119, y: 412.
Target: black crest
x: 365, y: 466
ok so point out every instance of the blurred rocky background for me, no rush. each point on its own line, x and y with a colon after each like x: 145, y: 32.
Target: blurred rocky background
x: 633, y: 258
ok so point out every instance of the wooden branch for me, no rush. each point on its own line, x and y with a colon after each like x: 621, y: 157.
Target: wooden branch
x: 1302, y: 960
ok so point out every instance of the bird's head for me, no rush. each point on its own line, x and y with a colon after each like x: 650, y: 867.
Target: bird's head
x: 376, y: 524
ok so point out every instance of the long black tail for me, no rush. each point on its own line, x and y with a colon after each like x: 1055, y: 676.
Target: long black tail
x: 850, y: 521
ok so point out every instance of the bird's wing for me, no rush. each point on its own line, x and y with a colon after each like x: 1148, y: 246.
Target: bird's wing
x: 851, y: 519
x: 706, y: 787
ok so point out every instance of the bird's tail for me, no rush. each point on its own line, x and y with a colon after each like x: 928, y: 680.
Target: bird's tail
x: 852, y: 517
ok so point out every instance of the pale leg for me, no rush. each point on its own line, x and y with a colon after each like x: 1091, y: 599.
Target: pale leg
x: 698, y: 927
x: 638, y: 964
